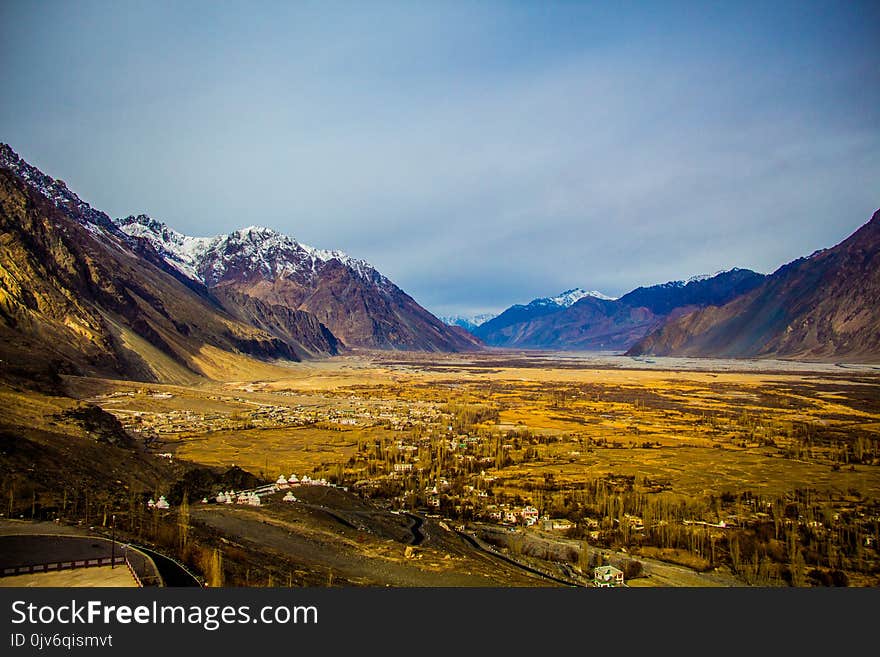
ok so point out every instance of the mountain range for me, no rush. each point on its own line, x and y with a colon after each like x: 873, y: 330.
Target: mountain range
x: 590, y: 321
x: 359, y: 305
x: 82, y: 293
x: 561, y: 300
x: 132, y: 297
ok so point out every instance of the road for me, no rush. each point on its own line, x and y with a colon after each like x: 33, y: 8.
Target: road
x: 416, y: 529
x: 173, y: 572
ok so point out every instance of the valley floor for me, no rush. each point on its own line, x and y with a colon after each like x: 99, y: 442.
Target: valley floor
x: 678, y: 463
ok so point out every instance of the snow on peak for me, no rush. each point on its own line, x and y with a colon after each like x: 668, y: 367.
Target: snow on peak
x: 570, y: 297
x: 182, y: 252
x: 706, y: 277
x: 700, y: 277
x: 250, y: 249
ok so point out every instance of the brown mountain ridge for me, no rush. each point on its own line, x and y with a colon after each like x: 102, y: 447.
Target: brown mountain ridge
x: 824, y: 307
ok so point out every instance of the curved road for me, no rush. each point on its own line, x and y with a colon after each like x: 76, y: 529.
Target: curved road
x: 173, y: 572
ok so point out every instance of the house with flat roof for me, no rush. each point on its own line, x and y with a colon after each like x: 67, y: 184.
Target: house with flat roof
x: 607, y: 576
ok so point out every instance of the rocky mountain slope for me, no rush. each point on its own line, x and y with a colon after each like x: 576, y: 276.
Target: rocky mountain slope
x: 77, y: 295
x: 821, y: 307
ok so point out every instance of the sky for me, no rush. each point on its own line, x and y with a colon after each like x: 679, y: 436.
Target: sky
x: 479, y: 154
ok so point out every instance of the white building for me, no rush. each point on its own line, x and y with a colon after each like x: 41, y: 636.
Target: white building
x: 607, y: 576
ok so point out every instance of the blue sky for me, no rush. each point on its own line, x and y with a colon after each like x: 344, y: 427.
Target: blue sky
x: 479, y: 154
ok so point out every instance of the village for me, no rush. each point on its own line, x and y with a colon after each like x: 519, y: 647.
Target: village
x: 323, y: 411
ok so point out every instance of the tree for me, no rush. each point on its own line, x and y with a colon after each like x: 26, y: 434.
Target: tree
x: 632, y: 569
x: 215, y: 569
x: 797, y: 565
x: 183, y: 520
x: 584, y: 557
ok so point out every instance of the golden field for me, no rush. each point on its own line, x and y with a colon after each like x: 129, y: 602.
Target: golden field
x: 693, y: 431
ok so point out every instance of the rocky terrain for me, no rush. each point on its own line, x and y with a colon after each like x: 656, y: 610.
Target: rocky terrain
x: 76, y: 298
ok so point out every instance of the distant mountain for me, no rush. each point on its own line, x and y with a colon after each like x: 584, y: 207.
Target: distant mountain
x: 821, y: 307
x: 572, y: 296
x: 467, y: 322
x: 358, y: 304
x: 589, y: 324
x: 495, y: 330
x: 592, y: 321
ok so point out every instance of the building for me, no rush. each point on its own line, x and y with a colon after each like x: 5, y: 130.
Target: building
x: 529, y: 515
x: 607, y: 576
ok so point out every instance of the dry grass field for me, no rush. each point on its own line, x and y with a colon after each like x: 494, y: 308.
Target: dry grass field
x: 691, y: 431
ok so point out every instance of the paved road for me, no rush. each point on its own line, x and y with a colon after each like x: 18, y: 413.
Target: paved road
x: 173, y: 572
x: 34, y: 549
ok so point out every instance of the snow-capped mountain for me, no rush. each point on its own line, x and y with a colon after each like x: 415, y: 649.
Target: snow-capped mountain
x: 351, y: 297
x: 699, y: 278
x: 180, y: 251
x: 821, y: 307
x: 256, y: 249
x: 263, y: 276
x: 697, y: 291
x: 511, y: 326
x: 81, y: 296
x: 565, y: 299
